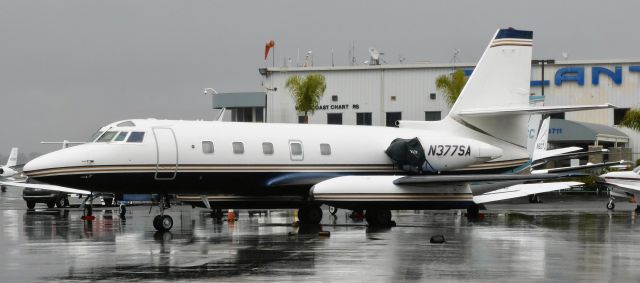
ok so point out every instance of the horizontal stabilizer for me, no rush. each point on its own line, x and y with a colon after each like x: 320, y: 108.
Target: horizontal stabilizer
x: 521, y: 190
x: 46, y: 187
x: 448, y: 179
x: 528, y: 110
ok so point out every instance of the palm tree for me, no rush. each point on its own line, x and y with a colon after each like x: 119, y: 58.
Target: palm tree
x: 451, y: 85
x: 307, y: 92
x: 631, y: 119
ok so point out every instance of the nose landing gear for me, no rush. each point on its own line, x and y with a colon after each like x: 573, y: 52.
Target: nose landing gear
x: 163, y: 222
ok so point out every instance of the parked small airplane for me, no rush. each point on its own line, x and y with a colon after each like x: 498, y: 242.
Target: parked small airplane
x: 420, y: 165
x: 11, y: 169
x: 623, y: 184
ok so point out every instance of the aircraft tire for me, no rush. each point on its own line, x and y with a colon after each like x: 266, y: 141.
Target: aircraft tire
x: 165, y: 223
x: 156, y: 222
x: 66, y: 202
x: 378, y: 217
x: 60, y: 203
x: 311, y: 214
x: 3, y: 188
x: 51, y: 204
x: 123, y: 210
x: 611, y: 205
x: 31, y: 205
x: 473, y: 211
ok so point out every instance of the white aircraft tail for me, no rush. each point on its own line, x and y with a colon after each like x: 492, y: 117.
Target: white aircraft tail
x: 501, y: 79
x: 13, y: 157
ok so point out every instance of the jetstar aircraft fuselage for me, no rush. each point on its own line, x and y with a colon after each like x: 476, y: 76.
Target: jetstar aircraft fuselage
x: 204, y: 157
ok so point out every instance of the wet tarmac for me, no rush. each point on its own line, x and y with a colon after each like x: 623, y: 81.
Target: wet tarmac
x: 564, y: 239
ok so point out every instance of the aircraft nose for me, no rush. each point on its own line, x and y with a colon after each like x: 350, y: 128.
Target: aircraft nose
x: 39, y: 163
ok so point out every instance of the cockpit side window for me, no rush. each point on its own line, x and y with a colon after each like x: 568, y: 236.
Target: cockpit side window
x: 107, y: 137
x: 120, y: 137
x: 136, y: 137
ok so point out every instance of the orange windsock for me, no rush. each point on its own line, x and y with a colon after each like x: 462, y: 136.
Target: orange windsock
x: 270, y: 44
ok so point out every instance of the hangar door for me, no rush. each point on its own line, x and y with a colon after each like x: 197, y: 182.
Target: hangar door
x: 167, y: 153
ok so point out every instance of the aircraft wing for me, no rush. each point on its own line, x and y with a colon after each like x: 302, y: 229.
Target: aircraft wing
x: 449, y: 179
x: 577, y: 168
x: 521, y: 190
x: 46, y: 187
x: 530, y: 110
x: 624, y: 187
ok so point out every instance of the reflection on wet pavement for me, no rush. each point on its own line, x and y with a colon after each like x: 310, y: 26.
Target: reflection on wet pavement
x: 505, y: 245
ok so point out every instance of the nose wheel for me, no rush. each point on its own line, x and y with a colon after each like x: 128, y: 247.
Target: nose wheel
x: 163, y: 222
x: 611, y: 205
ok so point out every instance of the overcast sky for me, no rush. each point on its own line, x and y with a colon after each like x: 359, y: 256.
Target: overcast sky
x: 69, y: 67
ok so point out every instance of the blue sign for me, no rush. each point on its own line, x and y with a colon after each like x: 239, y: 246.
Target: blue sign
x: 576, y: 75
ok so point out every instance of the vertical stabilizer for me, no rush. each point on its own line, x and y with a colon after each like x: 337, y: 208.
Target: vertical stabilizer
x: 500, y: 79
x: 13, y: 157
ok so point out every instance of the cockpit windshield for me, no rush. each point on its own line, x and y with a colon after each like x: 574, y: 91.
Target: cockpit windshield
x: 95, y: 136
x: 107, y: 137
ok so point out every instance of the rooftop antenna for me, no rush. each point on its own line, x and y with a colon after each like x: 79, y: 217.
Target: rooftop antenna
x: 332, y: 65
x: 352, y: 54
x: 375, y: 56
x: 455, y: 58
x: 401, y: 58
x: 565, y: 55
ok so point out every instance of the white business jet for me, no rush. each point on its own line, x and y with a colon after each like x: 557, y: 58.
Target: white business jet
x: 623, y: 184
x: 425, y: 165
x: 9, y: 171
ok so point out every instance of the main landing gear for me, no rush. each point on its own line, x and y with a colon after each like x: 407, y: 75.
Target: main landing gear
x: 163, y: 222
x: 87, y: 213
x: 310, y: 214
x: 378, y: 217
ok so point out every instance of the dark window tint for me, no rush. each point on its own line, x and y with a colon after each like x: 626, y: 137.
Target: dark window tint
x: 363, y: 118
x: 393, y: 118
x: 334, y: 118
x: 259, y: 114
x: 618, y: 115
x: 432, y: 115
x: 557, y: 115
x: 136, y: 137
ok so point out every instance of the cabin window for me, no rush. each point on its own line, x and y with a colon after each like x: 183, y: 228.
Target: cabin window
x: 267, y: 148
x: 238, y: 147
x: 107, y: 137
x: 136, y: 137
x: 120, y: 137
x: 207, y: 147
x: 325, y: 149
x: 296, y: 150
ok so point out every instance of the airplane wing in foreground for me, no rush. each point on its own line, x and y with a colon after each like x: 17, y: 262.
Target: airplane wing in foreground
x: 46, y: 187
x: 522, y: 190
x: 578, y: 168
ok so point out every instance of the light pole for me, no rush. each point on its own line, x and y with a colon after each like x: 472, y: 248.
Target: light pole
x: 542, y: 63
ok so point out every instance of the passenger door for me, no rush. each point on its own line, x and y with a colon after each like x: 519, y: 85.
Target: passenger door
x: 167, y: 153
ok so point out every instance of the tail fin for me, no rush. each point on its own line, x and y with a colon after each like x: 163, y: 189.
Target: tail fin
x: 500, y: 79
x: 13, y: 157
